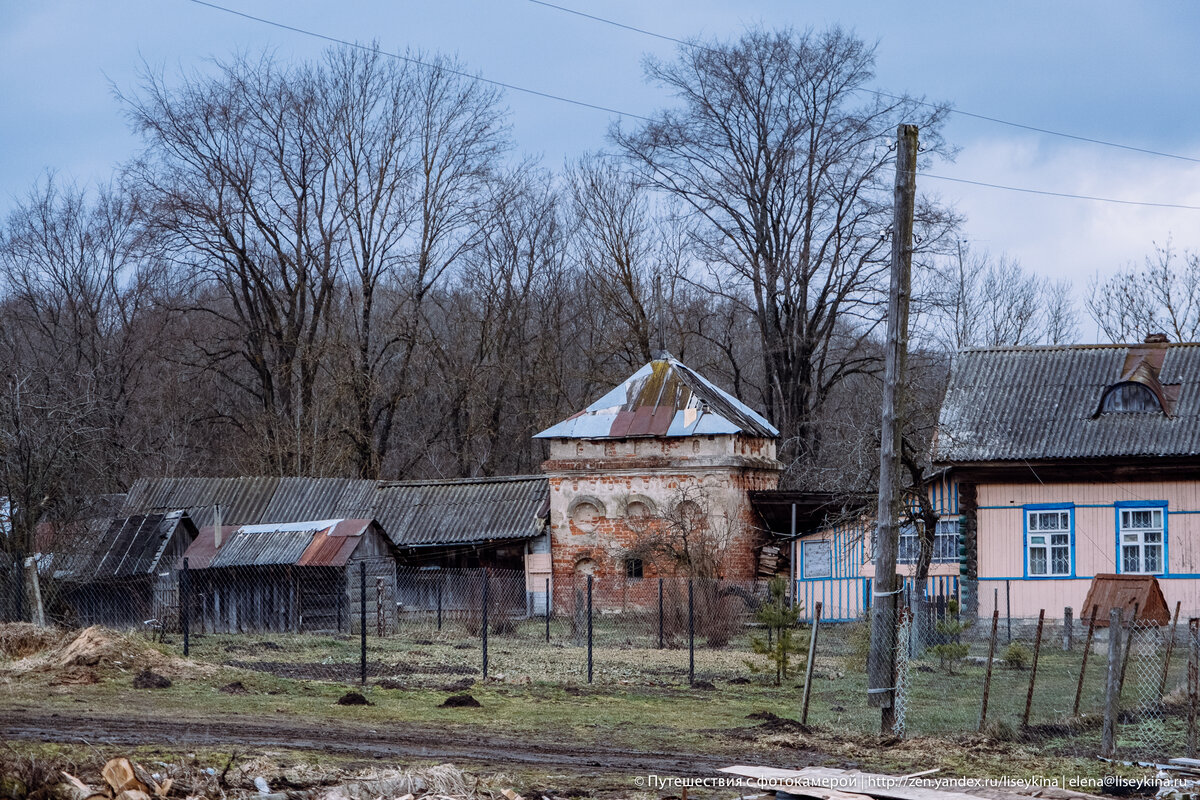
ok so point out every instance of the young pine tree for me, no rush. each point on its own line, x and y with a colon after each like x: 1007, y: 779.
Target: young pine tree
x: 783, y: 634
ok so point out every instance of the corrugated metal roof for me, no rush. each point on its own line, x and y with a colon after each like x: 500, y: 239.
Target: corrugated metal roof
x: 307, y: 543
x: 126, y: 547
x: 1033, y: 403
x: 416, y: 513
x: 663, y: 398
x: 411, y: 512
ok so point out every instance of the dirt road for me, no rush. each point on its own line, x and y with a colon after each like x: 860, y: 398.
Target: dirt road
x: 405, y: 742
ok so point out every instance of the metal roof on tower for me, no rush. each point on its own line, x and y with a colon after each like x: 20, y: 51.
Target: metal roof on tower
x: 663, y: 398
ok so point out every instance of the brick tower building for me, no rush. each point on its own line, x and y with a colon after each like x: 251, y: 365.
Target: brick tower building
x: 653, y: 478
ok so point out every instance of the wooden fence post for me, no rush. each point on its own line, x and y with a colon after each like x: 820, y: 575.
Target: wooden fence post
x: 379, y: 612
x: 1112, y: 688
x: 1087, y: 649
x: 1037, y: 648
x: 812, y: 658
x: 1162, y: 683
x: 987, y: 676
x: 1068, y: 629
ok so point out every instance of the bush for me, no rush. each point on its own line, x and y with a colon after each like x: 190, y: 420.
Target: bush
x: 950, y: 628
x: 1017, y: 656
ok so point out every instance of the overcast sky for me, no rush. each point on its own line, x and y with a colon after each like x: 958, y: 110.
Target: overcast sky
x: 1122, y: 72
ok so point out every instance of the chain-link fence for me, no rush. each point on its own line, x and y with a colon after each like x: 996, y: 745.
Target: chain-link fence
x: 1055, y: 680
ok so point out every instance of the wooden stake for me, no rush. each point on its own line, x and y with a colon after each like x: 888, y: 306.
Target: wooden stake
x: 1112, y: 687
x: 987, y: 676
x: 1068, y: 629
x: 881, y: 665
x: 812, y: 659
x: 1128, y: 647
x: 1037, y: 648
x: 1162, y: 683
x: 1087, y: 649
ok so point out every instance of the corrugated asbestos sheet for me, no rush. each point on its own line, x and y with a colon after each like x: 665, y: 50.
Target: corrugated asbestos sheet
x: 429, y: 513
x: 663, y: 398
x: 1031, y: 403
x: 410, y: 513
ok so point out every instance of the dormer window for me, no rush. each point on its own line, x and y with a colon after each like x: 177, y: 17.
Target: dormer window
x: 1129, y: 396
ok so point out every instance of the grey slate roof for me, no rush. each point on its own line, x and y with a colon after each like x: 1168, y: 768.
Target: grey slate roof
x: 411, y: 513
x: 1040, y: 403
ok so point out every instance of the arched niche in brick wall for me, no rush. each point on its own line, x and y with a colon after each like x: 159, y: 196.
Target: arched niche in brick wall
x: 585, y: 512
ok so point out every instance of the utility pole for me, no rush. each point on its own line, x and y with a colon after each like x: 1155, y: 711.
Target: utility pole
x: 881, y: 666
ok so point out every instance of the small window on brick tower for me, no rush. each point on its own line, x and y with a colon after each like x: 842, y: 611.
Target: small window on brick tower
x: 634, y: 569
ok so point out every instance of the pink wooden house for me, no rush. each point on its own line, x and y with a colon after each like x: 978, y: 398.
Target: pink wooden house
x: 1054, y: 464
x: 1067, y: 462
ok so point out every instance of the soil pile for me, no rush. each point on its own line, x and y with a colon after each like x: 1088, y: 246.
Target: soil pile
x: 24, y: 639
x: 460, y: 701
x: 353, y: 699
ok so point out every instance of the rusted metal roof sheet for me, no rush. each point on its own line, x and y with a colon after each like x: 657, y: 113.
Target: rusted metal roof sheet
x: 421, y: 513
x: 307, y: 543
x: 663, y: 398
x: 200, y: 553
x: 1035, y: 403
x: 125, y: 548
x: 1126, y: 592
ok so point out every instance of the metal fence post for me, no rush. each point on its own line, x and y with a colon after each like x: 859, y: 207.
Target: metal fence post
x: 441, y: 582
x: 1087, y: 649
x: 589, y: 610
x: 547, y: 611
x: 1162, y: 683
x: 379, y: 613
x: 691, y: 635
x: 484, y: 631
x: 1068, y: 629
x: 1037, y: 649
x: 362, y: 619
x: 1112, y: 687
x: 660, y: 613
x: 1008, y: 607
x: 1193, y: 678
x: 184, y: 598
x: 812, y: 659
x: 987, y: 676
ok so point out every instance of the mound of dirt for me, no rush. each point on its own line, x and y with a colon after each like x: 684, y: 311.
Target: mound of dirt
x: 389, y: 683
x: 703, y: 685
x: 96, y: 651
x: 24, y: 639
x: 147, y: 679
x: 773, y: 723
x: 237, y: 687
x: 460, y: 701
x: 75, y: 676
x: 353, y: 699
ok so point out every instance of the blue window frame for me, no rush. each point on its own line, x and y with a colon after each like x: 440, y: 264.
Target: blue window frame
x: 1142, y: 538
x: 1049, y: 541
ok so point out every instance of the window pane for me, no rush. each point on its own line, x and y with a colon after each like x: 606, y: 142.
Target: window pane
x: 1059, y: 539
x: 1037, y: 561
x: 1037, y: 539
x: 1064, y: 521
x: 1152, y: 537
x: 1153, y: 558
x: 1061, y: 562
x: 1129, y: 562
x: 1130, y: 537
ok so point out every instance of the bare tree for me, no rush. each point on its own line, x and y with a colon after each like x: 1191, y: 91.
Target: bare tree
x: 782, y: 164
x: 1161, y: 297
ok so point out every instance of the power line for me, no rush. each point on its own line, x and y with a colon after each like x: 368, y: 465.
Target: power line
x: 878, y: 93
x: 1059, y: 194
x: 418, y: 62
x: 606, y: 109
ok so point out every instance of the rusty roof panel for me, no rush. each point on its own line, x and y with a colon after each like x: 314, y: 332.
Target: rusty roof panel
x: 334, y: 546
x: 1031, y: 403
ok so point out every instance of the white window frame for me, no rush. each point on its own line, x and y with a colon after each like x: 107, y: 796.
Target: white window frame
x: 1131, y: 539
x: 945, y: 543
x: 1042, y: 540
x: 805, y: 561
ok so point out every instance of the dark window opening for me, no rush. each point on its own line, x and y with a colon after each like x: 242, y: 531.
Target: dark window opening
x: 634, y: 568
x: 1129, y: 397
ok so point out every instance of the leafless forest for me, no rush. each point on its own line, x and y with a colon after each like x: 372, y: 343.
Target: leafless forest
x: 347, y: 267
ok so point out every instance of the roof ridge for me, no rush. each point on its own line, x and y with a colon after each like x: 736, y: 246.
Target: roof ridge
x: 460, y: 481
x: 1065, y: 347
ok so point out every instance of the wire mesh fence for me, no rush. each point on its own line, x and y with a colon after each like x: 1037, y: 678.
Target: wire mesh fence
x: 1047, y: 680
